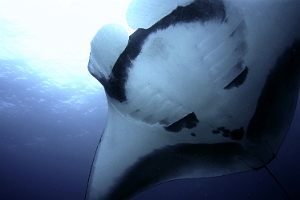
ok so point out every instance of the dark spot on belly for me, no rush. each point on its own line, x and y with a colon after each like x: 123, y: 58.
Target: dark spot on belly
x: 193, y: 134
x: 226, y: 134
x: 236, y: 134
x: 226, y: 131
x: 189, y: 121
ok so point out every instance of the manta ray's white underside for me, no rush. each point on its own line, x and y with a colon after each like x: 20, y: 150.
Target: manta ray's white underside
x: 206, y: 88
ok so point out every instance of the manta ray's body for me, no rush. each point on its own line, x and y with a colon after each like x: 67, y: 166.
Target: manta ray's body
x: 202, y: 89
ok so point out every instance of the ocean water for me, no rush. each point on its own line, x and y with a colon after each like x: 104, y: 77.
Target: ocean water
x: 52, y: 114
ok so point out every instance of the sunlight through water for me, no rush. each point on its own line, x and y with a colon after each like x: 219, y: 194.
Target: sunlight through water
x: 53, y: 36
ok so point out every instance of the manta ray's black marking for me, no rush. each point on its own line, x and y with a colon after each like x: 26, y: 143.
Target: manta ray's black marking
x: 172, y: 161
x: 235, y: 134
x: 282, y: 79
x: 199, y: 10
x: 189, y: 121
x: 239, y: 80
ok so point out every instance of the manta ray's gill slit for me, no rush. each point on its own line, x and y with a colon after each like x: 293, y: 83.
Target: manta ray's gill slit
x: 152, y: 106
x: 234, y: 67
x: 159, y: 114
x: 233, y: 71
x: 141, y: 100
x: 231, y: 63
x: 223, y: 32
x: 239, y: 80
x: 241, y: 29
x: 175, y: 115
x: 230, y: 43
x: 189, y: 121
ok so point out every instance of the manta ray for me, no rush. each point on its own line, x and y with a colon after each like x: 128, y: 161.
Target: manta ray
x: 202, y: 88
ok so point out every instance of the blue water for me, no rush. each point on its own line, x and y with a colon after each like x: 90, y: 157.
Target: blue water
x: 48, y: 137
x: 52, y: 114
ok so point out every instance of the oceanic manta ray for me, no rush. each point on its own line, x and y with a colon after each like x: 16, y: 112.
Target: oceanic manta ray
x: 202, y: 88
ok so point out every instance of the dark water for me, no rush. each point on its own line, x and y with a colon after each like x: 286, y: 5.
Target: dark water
x: 48, y: 136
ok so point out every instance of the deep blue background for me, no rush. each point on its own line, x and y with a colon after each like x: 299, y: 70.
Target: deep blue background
x: 48, y: 136
x: 49, y: 129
